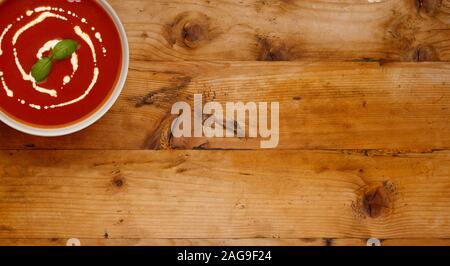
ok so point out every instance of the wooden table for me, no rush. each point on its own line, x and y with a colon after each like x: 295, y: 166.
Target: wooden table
x: 364, y: 92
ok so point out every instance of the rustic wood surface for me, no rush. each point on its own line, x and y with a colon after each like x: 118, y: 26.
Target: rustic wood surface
x: 397, y: 106
x: 349, y: 30
x: 364, y: 90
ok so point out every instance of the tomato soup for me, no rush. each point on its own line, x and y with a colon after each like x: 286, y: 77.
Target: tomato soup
x: 76, y: 87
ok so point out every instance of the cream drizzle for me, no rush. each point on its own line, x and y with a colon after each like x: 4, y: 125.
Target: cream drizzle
x: 86, y: 93
x: 88, y: 40
x: 66, y: 80
x: 50, y: 92
x: 98, y: 36
x: 28, y: 77
x: 33, y: 23
x: 42, y: 9
x: 48, y: 46
x: 73, y: 60
x: 3, y: 35
x: 35, y: 106
x: 9, y: 92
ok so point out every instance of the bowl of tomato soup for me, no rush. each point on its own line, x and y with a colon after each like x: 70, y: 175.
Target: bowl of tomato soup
x: 63, y: 64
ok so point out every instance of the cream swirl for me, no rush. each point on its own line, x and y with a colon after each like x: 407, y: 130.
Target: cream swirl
x: 41, y: 14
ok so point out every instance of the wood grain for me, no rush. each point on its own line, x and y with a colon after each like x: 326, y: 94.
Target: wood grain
x: 395, y: 106
x: 223, y: 195
x: 273, y: 30
x: 225, y: 242
x: 364, y: 132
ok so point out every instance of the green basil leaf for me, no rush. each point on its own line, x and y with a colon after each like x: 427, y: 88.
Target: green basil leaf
x: 64, y: 49
x: 41, y: 69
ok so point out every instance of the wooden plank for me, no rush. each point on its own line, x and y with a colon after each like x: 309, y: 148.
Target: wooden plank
x: 166, y: 242
x: 223, y: 195
x: 395, y: 106
x: 223, y: 242
x: 333, y: 30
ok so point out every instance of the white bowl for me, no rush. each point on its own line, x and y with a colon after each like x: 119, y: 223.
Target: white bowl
x: 86, y: 122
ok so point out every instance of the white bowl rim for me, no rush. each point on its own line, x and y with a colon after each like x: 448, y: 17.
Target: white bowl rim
x: 56, y: 132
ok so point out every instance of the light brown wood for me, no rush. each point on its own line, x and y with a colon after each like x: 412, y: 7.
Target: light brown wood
x: 224, y: 242
x: 223, y: 195
x: 396, y: 106
x: 171, y: 242
x: 333, y: 30
x: 364, y: 130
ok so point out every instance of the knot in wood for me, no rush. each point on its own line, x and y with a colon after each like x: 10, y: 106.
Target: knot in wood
x: 424, y: 53
x: 377, y: 200
x: 190, y: 30
x: 273, y: 50
x: 428, y: 7
x: 192, y: 33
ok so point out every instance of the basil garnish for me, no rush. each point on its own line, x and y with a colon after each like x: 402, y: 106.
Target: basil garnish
x: 41, y: 69
x: 63, y: 50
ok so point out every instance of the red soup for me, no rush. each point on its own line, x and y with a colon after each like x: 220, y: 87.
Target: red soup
x: 76, y: 86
